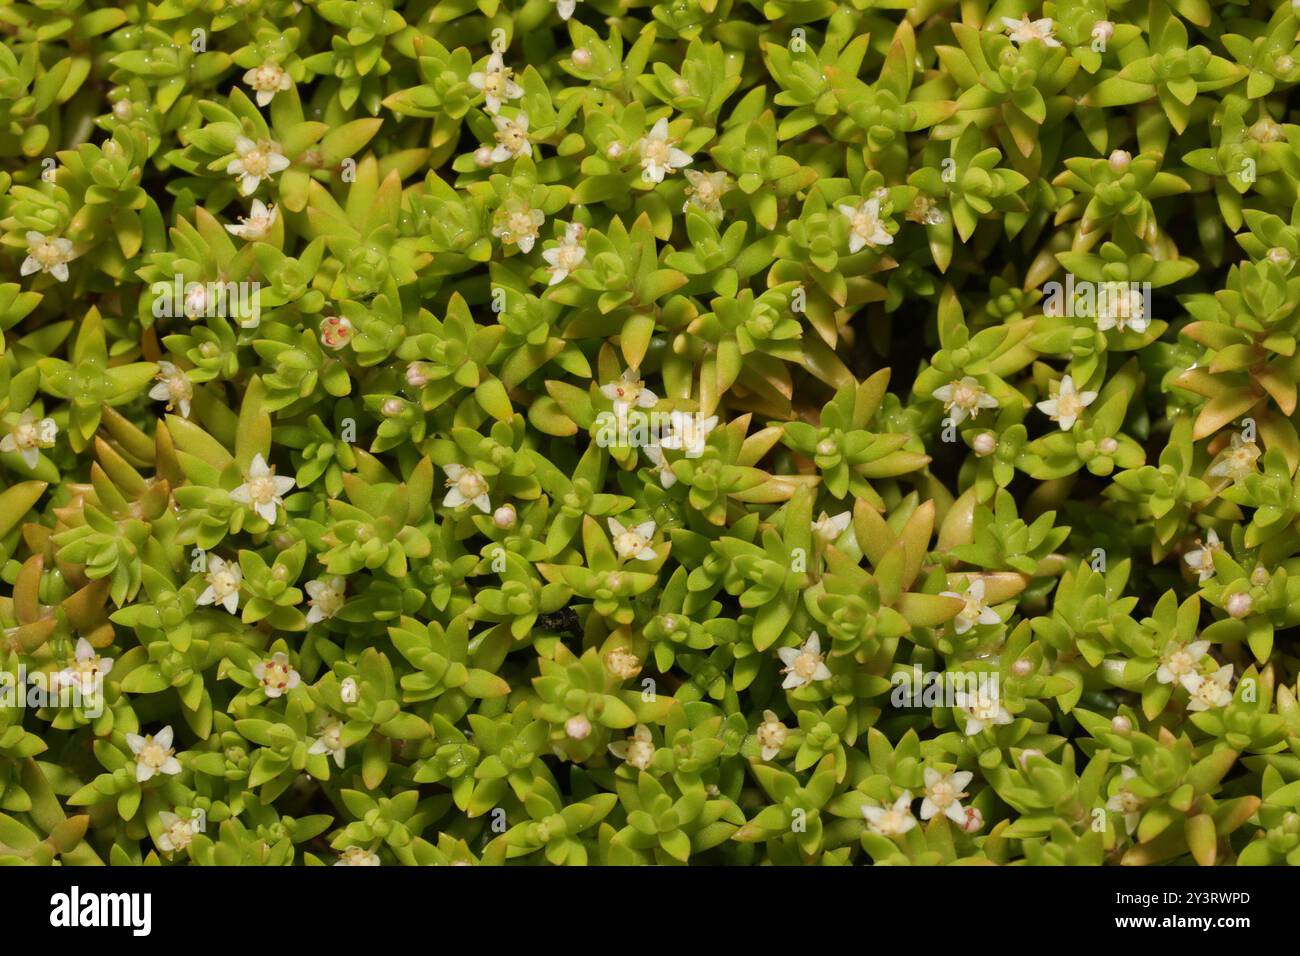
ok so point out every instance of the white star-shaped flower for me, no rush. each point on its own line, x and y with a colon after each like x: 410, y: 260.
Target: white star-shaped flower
x: 512, y: 138
x: 267, y: 80
x: 1201, y: 560
x: 633, y: 543
x: 263, y: 490
x: 944, y: 793
x: 1025, y: 30
x: 153, y: 754
x: 628, y: 392
x: 1068, y: 405
x: 975, y: 611
x: 891, y: 821
x: 254, y: 163
x: 50, y: 255
x: 982, y: 710
x: 567, y: 256
x: 256, y: 224
x: 804, y: 664
x: 173, y: 387
x: 86, y: 675
x: 865, y: 227
x: 325, y: 597
x: 466, y: 487
x: 29, y: 436
x: 659, y: 156
x: 1180, y: 660
x: 688, y: 432
x: 495, y: 83
x: 1210, y: 692
x: 964, y: 399
x: 224, y: 580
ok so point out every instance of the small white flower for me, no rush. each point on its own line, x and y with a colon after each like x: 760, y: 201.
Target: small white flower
x: 276, y: 675
x: 29, y: 436
x: 256, y: 224
x: 944, y: 793
x: 50, y: 255
x: 891, y: 821
x: 330, y: 742
x: 86, y: 675
x: 1209, y: 692
x: 255, y: 162
x: 1025, y: 30
x: 173, y: 387
x: 262, y: 489
x: 975, y: 611
x: 325, y: 597
x: 705, y: 191
x: 688, y: 432
x: 177, y: 831
x: 1125, y: 802
x: 357, y: 856
x: 771, y: 735
x: 495, y: 83
x: 224, y: 581
x: 466, y: 486
x: 637, y: 750
x: 629, y: 392
x: 633, y: 543
x: 1201, y: 560
x: 622, y: 663
x: 982, y: 710
x: 518, y: 223
x: 865, y: 227
x: 567, y: 256
x: 667, y: 478
x: 349, y: 692
x: 1237, y: 461
x: 828, y: 528
x: 1102, y: 31
x: 804, y: 664
x: 1122, y: 307
x: 1068, y: 405
x: 963, y: 399
x: 267, y: 80
x: 1180, y: 660
x: 659, y: 156
x: 512, y: 138
x: 565, y: 8
x: 153, y: 754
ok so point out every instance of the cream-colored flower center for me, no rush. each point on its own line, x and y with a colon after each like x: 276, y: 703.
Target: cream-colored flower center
x: 629, y: 542
x: 805, y: 664
x: 1128, y: 803
x: 267, y: 77
x: 496, y: 83
x: 966, y: 396
x: 771, y: 735
x: 256, y: 163
x: 656, y: 152
x: 223, y: 582
x: 153, y: 754
x: 275, y: 674
x: 1181, y: 663
x: 569, y: 257
x: 942, y: 794
x: 47, y: 253
x: 261, y: 490
x: 512, y: 138
x: 328, y: 601
x: 639, y: 753
x: 181, y: 834
x: 984, y: 708
x: 864, y: 224
x: 471, y: 484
